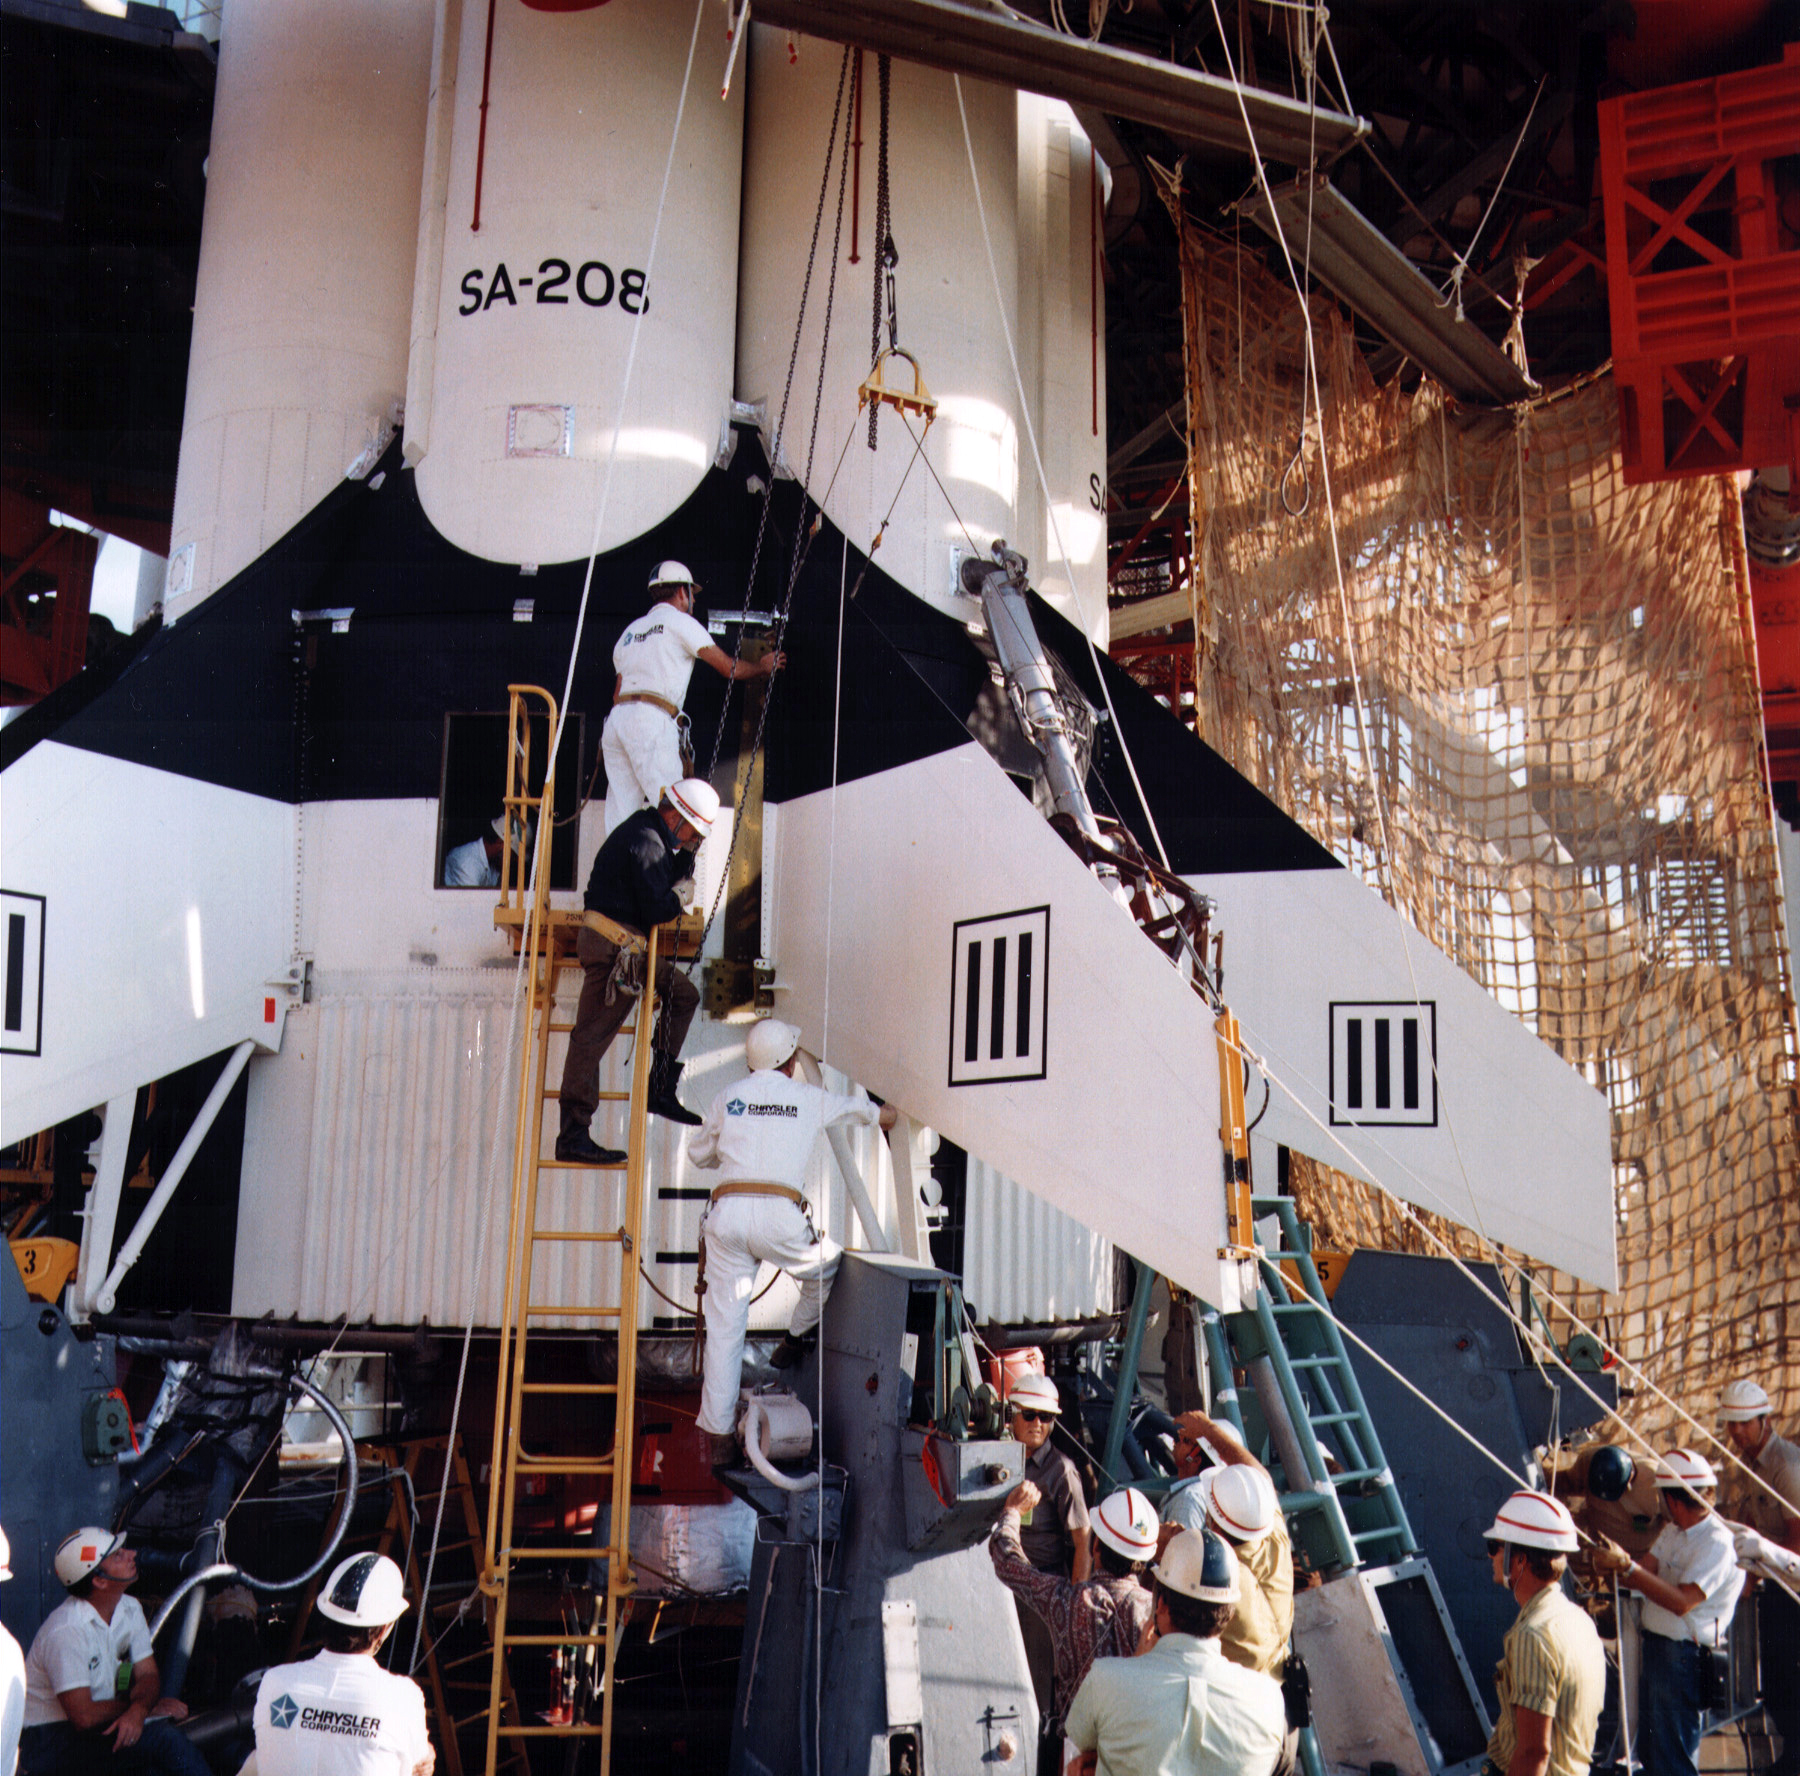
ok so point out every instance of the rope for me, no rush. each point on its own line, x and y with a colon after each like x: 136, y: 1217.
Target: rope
x: 803, y: 532
x: 540, y: 857
x: 885, y: 257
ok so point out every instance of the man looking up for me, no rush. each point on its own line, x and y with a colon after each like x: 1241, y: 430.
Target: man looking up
x: 92, y: 1691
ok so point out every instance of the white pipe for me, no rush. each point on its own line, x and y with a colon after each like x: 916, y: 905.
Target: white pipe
x: 428, y: 259
x: 873, y: 1231
x: 133, y: 1248
x: 756, y: 1423
x: 103, y: 1200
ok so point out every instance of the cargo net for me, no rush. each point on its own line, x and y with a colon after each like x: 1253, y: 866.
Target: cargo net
x: 1559, y: 704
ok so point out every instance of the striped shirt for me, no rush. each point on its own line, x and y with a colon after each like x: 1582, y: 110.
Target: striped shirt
x: 1553, y: 1665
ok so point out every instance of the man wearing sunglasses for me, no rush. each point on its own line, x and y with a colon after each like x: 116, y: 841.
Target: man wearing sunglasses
x: 1054, y: 1532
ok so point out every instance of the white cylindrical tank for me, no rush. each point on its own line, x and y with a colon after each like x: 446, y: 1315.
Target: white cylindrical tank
x: 303, y: 303
x: 948, y: 318
x: 541, y: 286
x: 1037, y: 179
x: 1062, y: 355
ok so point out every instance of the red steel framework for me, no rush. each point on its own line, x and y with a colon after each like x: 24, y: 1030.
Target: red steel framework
x: 1703, y: 271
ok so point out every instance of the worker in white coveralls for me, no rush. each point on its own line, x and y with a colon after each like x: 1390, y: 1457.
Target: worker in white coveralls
x: 760, y: 1133
x: 339, y: 1713
x: 654, y: 659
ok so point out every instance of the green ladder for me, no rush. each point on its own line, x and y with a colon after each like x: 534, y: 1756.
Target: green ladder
x: 1345, y: 1508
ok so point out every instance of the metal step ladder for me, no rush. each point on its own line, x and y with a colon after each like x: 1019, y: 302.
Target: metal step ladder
x: 611, y: 1219
x: 1344, y: 1505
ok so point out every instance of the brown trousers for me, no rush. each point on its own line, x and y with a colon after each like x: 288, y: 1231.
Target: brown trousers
x: 597, y: 1023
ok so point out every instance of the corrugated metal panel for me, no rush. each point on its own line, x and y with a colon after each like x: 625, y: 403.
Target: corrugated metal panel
x: 399, y: 1167
x: 1024, y: 1260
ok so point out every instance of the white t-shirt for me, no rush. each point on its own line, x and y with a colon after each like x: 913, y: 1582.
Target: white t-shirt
x: 764, y: 1127
x: 12, y: 1701
x: 78, y: 1649
x: 467, y: 866
x: 339, y: 1714
x: 657, y: 653
x: 1703, y: 1556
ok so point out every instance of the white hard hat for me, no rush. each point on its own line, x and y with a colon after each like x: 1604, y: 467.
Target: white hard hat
x: 770, y: 1044
x: 1743, y: 1401
x: 1037, y: 1393
x: 696, y: 801
x: 1127, y: 1523
x: 1200, y: 1565
x: 5, y: 1556
x: 672, y: 573
x: 1535, y: 1520
x: 1240, y: 1500
x: 83, y: 1551
x: 365, y: 1591
x: 1681, y: 1470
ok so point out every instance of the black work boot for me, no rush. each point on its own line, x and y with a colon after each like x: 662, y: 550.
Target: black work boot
x: 788, y: 1352
x: 665, y: 1076
x: 578, y: 1147
x: 723, y: 1451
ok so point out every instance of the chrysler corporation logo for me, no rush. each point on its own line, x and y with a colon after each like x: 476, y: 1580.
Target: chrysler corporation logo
x: 735, y: 1107
x: 283, y: 1711
x: 999, y: 973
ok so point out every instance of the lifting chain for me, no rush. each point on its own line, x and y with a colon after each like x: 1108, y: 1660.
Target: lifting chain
x: 886, y: 254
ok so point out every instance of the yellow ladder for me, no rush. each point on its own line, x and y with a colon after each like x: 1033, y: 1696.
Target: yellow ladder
x: 547, y: 940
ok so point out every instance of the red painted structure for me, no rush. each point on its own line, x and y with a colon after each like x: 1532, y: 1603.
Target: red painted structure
x: 1703, y: 271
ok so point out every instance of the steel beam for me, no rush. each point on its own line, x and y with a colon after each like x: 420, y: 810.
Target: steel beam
x: 1197, y: 109
x: 1355, y: 260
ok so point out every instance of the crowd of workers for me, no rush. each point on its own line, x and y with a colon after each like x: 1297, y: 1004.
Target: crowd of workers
x: 1157, y: 1643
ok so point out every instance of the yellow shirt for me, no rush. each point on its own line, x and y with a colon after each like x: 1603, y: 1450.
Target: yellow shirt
x: 1553, y: 1665
x: 1257, y: 1636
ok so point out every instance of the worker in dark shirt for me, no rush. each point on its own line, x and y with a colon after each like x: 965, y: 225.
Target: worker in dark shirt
x: 634, y: 884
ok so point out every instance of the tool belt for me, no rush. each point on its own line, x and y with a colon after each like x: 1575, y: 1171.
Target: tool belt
x: 621, y: 936
x: 671, y: 710
x: 759, y: 1187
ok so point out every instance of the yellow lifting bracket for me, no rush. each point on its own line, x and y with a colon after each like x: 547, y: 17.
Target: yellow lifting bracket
x: 875, y: 390
x: 1234, y: 1137
x: 609, y: 1233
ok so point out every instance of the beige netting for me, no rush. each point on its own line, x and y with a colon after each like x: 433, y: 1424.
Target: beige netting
x: 1558, y: 706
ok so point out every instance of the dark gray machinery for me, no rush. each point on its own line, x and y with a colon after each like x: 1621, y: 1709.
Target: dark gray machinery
x: 877, y: 1638
x: 61, y: 1429
x: 1458, y: 1344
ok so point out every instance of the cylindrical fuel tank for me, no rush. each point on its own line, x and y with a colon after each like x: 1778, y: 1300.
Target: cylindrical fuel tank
x: 304, y: 298
x: 1037, y: 199
x: 546, y: 233
x: 1062, y: 331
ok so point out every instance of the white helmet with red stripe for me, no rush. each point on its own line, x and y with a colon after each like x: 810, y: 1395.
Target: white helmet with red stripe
x: 1035, y: 1393
x: 1127, y: 1523
x: 1535, y: 1520
x: 1240, y: 1500
x: 1743, y: 1402
x: 1681, y: 1470
x: 696, y: 801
